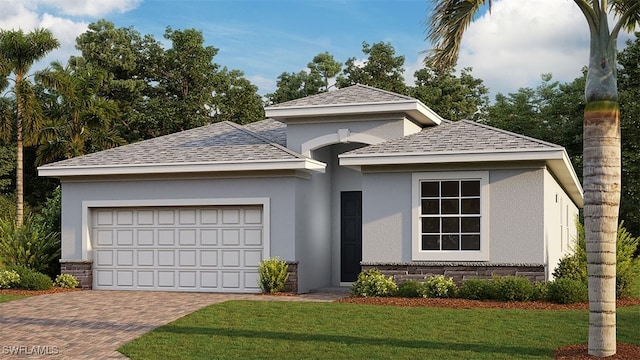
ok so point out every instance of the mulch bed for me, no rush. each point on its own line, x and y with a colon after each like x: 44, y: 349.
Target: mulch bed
x: 569, y: 352
x: 22, y: 292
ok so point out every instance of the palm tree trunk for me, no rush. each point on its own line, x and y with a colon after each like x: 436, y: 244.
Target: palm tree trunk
x: 601, y: 202
x: 19, y: 161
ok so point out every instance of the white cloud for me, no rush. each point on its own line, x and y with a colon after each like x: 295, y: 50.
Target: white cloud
x: 520, y: 40
x: 30, y: 14
x: 91, y: 7
x: 265, y: 84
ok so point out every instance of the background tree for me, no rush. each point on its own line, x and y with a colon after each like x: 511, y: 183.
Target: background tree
x: 235, y: 98
x: 447, y: 22
x: 78, y: 121
x: 382, y: 69
x: 291, y: 86
x: 20, y: 51
x: 325, y: 65
x: 453, y: 98
x: 629, y: 82
x: 124, y: 54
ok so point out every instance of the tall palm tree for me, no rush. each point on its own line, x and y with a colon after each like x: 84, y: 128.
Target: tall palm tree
x: 78, y: 121
x: 20, y: 51
x: 447, y: 21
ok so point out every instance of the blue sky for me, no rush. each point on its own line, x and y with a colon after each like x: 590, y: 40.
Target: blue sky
x: 508, y: 50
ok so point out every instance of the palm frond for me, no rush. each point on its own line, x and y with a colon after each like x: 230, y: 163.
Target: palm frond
x: 447, y: 22
x: 628, y: 14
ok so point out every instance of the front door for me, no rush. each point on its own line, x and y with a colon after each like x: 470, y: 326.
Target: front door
x: 350, y: 235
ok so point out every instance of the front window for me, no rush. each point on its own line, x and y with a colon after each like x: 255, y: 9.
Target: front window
x: 451, y: 216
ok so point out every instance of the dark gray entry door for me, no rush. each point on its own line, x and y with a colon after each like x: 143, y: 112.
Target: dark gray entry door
x: 350, y: 235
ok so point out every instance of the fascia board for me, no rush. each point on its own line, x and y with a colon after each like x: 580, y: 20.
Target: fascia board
x: 131, y: 169
x: 449, y: 157
x: 416, y: 109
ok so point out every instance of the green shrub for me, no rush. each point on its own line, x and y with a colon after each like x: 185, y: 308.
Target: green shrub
x: 438, y: 287
x: 571, y: 267
x: 476, y: 289
x: 627, y: 267
x: 31, y: 279
x: 273, y: 275
x: 372, y: 283
x: 512, y: 288
x: 539, y: 291
x: 30, y: 245
x: 9, y: 279
x: 409, y: 289
x: 66, y: 281
x: 567, y: 291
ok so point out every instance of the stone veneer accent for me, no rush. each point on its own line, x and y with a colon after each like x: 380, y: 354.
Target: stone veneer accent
x: 458, y: 271
x: 292, y: 282
x: 81, y: 269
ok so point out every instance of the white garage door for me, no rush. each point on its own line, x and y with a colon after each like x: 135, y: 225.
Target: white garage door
x: 209, y: 249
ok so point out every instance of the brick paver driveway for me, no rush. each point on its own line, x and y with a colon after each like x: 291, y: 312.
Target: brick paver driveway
x: 93, y: 324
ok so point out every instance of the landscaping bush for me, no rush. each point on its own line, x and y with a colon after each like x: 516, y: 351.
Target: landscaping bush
x: 409, y: 289
x: 273, y: 275
x: 476, y: 289
x: 9, y: 279
x: 539, y: 291
x: 627, y: 267
x: 571, y: 267
x: 438, y: 287
x: 66, y: 281
x: 30, y: 245
x: 372, y: 283
x: 512, y: 288
x: 31, y: 279
x: 567, y: 291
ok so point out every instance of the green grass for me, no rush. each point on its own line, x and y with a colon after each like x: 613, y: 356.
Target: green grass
x: 284, y: 330
x: 4, y: 297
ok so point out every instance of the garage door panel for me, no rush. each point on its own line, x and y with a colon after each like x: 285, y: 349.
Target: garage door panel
x: 145, y: 257
x: 209, y: 237
x: 124, y: 258
x: 215, y: 249
x: 124, y: 237
x: 125, y: 217
x: 145, y: 278
x: 104, y: 237
x: 145, y: 237
x: 187, y: 258
x: 104, y: 257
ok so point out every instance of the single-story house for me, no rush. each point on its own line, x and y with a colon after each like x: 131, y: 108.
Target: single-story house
x: 331, y: 183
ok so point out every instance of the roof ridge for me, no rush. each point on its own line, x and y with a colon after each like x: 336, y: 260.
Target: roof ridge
x: 507, y: 132
x: 266, y: 140
x: 383, y: 90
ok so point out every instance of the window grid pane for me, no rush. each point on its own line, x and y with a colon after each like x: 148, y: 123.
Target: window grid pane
x: 450, y: 215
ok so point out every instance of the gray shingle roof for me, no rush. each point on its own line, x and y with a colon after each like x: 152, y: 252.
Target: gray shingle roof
x: 354, y: 94
x: 219, y: 142
x: 461, y: 136
x: 271, y: 129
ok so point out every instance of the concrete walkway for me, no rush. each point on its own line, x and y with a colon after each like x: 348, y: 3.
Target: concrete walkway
x: 93, y: 324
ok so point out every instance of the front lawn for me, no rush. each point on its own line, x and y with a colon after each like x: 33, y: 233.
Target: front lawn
x: 287, y: 330
x: 6, y: 297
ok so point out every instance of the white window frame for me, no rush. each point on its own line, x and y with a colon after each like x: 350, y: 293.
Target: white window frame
x: 417, y: 254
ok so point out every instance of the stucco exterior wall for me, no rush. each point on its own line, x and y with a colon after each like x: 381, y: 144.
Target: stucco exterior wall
x: 384, y: 127
x: 560, y: 222
x: 282, y: 203
x: 516, y: 212
x: 313, y: 233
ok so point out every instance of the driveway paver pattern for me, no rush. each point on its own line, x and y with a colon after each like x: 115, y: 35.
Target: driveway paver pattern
x: 92, y: 324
